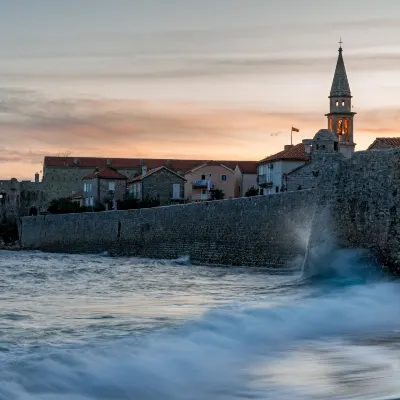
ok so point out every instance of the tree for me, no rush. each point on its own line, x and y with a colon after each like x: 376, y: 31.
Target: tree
x: 66, y: 206
x: 217, y: 194
x: 252, y: 191
x: 132, y: 203
x: 128, y: 203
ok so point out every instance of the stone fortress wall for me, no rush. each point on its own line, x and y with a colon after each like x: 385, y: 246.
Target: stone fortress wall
x: 257, y: 231
x: 361, y: 194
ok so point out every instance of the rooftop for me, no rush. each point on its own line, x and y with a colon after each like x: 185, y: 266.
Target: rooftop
x: 106, y: 173
x: 151, y: 172
x: 340, y: 85
x: 295, y: 153
x: 391, y: 142
x: 137, y: 163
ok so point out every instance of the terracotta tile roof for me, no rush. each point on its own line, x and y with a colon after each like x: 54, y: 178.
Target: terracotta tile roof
x: 106, y: 173
x: 248, y: 167
x: 132, y: 163
x: 391, y: 142
x: 295, y: 153
x: 152, y: 171
x: 231, y: 165
x: 119, y: 163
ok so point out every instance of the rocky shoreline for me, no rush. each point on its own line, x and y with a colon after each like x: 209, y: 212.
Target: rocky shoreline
x: 9, y: 239
x: 15, y: 246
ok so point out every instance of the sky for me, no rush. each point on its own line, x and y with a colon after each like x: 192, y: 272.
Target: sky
x: 206, y: 79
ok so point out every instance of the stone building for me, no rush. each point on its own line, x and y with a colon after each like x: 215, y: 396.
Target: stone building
x: 21, y: 198
x: 385, y: 143
x: 325, y: 155
x: 62, y: 176
x: 271, y: 170
x: 159, y: 183
x: 328, y: 145
x: 341, y: 116
x: 105, y: 186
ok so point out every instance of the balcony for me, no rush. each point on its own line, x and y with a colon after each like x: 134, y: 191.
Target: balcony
x: 265, y: 180
x: 202, y: 184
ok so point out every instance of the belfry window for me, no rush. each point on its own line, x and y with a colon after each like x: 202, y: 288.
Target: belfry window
x: 339, y: 130
x: 343, y: 103
x: 337, y: 103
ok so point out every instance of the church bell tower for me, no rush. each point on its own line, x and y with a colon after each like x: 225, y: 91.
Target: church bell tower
x: 340, y: 117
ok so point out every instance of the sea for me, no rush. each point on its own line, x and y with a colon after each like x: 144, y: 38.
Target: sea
x: 95, y: 327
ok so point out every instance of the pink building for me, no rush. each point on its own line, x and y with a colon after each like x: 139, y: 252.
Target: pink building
x: 213, y: 175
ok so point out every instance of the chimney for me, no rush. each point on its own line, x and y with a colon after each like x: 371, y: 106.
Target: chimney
x: 288, y: 146
x: 144, y: 170
x: 307, y: 146
x: 37, y: 177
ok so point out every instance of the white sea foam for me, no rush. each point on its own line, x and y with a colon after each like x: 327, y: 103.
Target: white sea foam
x: 212, y: 357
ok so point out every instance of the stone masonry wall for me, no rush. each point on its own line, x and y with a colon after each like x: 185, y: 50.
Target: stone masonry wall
x: 159, y: 185
x: 309, y: 175
x: 360, y: 200
x: 255, y: 231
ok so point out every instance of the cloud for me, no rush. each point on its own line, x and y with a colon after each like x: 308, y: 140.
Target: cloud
x: 35, y: 126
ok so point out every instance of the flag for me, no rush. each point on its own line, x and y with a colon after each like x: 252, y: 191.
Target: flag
x: 295, y: 129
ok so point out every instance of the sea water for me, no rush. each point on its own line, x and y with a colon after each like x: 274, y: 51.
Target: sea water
x: 86, y: 327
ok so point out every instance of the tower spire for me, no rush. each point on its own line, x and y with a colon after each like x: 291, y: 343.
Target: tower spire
x: 341, y: 115
x: 340, y: 85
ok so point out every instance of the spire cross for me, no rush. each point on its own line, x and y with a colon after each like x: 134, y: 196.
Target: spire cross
x: 340, y: 42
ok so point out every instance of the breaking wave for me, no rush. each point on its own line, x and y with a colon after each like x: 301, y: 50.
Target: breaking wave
x: 337, y: 340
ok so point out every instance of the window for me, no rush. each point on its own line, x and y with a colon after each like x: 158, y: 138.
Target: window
x: 86, y: 201
x: 276, y: 189
x: 203, y: 191
x: 331, y: 124
x: 337, y: 103
x: 343, y: 103
x: 224, y: 178
x: 203, y: 177
x: 339, y: 130
x: 134, y: 191
x: 346, y: 124
x: 111, y: 186
x: 139, y: 188
x: 91, y: 201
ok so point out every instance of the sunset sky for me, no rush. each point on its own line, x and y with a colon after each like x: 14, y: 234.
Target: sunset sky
x: 208, y: 79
